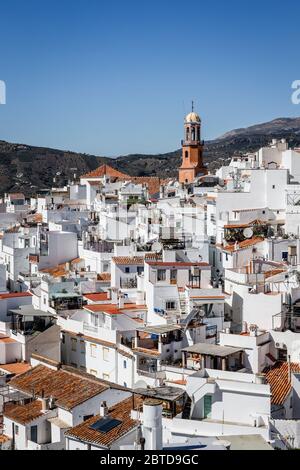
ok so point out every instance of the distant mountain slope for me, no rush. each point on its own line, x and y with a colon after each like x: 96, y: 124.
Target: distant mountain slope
x: 27, y: 168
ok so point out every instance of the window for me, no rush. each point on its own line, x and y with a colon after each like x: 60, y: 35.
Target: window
x: 105, y: 376
x: 82, y: 346
x: 94, y: 319
x: 186, y: 154
x: 173, y: 276
x: 87, y: 417
x: 93, y: 372
x: 170, y: 305
x: 33, y: 433
x: 226, y: 256
x: 125, y: 364
x: 207, y: 406
x: 285, y: 256
x: 16, y: 430
x: 74, y: 344
x: 105, y: 268
x: 125, y: 384
x: 140, y: 270
x: 273, y: 186
x: 161, y: 274
x: 127, y: 270
x: 63, y: 339
x: 105, y: 352
x: 93, y: 348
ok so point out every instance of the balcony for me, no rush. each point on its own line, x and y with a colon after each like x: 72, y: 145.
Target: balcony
x: 128, y: 283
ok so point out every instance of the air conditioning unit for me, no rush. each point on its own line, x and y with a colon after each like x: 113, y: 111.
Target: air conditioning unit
x: 280, y: 345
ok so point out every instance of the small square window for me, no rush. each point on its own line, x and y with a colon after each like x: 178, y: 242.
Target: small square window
x: 127, y: 270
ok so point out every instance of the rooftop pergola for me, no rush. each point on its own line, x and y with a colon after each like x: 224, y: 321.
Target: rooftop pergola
x: 204, y: 351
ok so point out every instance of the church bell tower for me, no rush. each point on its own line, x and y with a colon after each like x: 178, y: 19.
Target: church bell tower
x: 192, y: 149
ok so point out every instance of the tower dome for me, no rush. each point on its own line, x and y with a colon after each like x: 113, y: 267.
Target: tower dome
x: 192, y: 117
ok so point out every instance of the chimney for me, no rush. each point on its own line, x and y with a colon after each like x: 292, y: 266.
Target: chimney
x: 114, y: 295
x: 44, y: 404
x: 103, y: 409
x: 152, y: 424
x: 121, y: 301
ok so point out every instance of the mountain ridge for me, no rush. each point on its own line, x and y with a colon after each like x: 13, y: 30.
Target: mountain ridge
x: 28, y: 168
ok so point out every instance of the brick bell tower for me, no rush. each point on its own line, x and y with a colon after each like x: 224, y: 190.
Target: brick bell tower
x: 192, y: 149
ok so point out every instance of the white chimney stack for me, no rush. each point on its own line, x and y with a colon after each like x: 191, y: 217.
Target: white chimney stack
x: 152, y: 424
x: 103, y: 409
x: 121, y: 301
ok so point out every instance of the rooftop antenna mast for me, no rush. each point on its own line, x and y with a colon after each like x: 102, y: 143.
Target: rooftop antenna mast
x: 192, y: 106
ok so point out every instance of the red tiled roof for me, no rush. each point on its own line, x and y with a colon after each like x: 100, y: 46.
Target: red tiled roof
x: 104, y: 170
x: 12, y: 295
x: 97, y: 297
x: 23, y: 413
x: 278, y: 378
x: 128, y: 260
x: 153, y: 182
x: 120, y: 411
x: 16, y: 367
x: 242, y: 245
x: 68, y: 389
x: 177, y: 264
x: 113, y: 309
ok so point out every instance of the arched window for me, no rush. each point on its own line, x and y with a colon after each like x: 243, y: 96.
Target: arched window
x: 198, y: 133
x: 193, y: 133
x: 186, y: 154
x: 187, y: 133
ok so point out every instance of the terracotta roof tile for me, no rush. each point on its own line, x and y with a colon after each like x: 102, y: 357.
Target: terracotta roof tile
x: 97, y: 297
x: 113, y: 309
x: 128, y: 260
x: 120, y: 411
x: 16, y: 367
x: 68, y: 389
x: 23, y: 413
x: 177, y: 264
x: 278, y: 378
x: 242, y: 245
x: 153, y: 182
x: 12, y: 295
x: 104, y: 170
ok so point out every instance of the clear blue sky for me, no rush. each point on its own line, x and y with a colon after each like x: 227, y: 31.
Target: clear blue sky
x: 116, y: 77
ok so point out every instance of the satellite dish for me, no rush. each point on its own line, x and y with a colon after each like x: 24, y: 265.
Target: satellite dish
x: 157, y: 247
x: 248, y: 232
